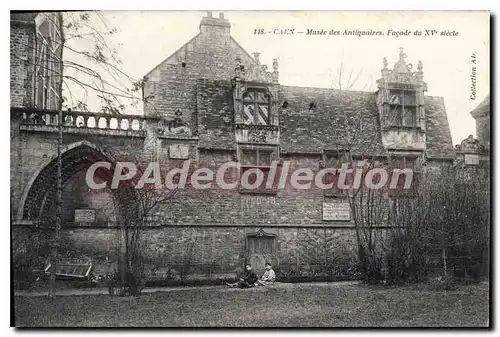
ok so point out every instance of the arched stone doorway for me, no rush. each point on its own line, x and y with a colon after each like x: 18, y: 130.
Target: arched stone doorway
x: 103, y: 243
x: 38, y: 201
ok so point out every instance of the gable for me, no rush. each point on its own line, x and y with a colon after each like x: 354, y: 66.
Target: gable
x: 204, y: 60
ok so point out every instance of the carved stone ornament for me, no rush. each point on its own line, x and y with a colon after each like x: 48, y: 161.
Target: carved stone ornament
x: 257, y: 136
x: 175, y: 127
x: 402, y: 72
x: 261, y: 234
x: 257, y: 127
x: 470, y: 145
x: 256, y: 72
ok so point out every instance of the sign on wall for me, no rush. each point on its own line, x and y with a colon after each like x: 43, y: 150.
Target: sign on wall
x: 471, y: 159
x: 178, y: 151
x: 84, y: 215
x: 339, y: 211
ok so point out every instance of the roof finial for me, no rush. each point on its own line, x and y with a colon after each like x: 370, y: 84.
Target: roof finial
x: 420, y: 66
x: 239, y: 68
x: 402, y: 55
x: 384, y: 62
x: 256, y: 56
x: 209, y: 14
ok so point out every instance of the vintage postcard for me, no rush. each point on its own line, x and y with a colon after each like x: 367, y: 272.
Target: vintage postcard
x: 250, y: 168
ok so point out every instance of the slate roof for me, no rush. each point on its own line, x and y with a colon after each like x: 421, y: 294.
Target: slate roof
x: 439, y: 142
x: 315, y: 120
x: 482, y: 109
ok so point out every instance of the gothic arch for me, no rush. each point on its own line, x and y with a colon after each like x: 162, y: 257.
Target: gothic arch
x: 40, y: 191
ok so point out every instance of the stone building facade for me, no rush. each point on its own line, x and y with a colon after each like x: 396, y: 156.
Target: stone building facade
x: 236, y: 109
x: 215, y: 103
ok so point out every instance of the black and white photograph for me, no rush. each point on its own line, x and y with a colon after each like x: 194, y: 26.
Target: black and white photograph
x: 239, y: 169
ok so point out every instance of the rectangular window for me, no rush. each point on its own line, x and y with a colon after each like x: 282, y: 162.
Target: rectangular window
x: 261, y: 158
x: 402, y: 162
x: 403, y: 107
x: 256, y: 107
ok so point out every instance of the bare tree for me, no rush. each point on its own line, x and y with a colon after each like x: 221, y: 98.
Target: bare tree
x: 136, y: 207
x: 90, y: 71
x: 369, y: 207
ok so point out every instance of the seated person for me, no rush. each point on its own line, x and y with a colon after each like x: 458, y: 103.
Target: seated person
x: 247, y: 281
x: 269, y: 276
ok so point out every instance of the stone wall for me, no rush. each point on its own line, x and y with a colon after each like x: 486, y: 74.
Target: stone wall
x: 174, y: 253
x: 22, y: 34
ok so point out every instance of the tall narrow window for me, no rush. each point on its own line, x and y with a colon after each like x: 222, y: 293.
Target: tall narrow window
x: 256, y: 107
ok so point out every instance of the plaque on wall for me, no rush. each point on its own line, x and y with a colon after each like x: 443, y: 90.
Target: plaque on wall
x: 471, y: 159
x: 178, y: 151
x: 337, y: 211
x: 84, y: 215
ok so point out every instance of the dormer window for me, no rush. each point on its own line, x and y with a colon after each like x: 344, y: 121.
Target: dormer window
x: 403, y: 107
x: 256, y: 106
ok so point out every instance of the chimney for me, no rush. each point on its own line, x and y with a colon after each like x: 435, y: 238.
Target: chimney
x: 211, y: 25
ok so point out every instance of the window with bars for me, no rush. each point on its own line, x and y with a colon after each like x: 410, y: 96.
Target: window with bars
x: 256, y: 106
x: 403, y: 107
x: 257, y: 158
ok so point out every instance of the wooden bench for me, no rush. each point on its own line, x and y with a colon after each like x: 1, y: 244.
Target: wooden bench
x: 67, y: 271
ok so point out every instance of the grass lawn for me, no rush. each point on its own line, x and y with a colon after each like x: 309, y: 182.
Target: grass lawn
x: 295, y: 306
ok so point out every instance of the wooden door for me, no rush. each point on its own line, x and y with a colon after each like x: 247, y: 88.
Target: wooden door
x: 261, y: 249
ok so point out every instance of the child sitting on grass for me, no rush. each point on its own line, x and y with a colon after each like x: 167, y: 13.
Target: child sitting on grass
x: 269, y: 276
